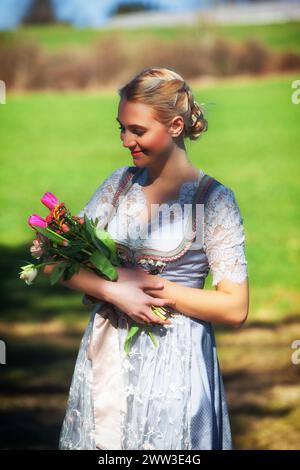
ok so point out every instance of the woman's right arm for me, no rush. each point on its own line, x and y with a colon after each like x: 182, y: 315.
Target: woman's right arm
x: 127, y: 293
x: 87, y: 282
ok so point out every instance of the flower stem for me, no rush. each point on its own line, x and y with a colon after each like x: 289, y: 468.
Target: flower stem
x: 56, y: 234
x: 44, y: 264
x: 86, y: 251
x: 157, y: 311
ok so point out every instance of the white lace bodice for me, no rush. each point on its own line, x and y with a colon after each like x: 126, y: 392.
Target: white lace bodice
x: 224, y: 238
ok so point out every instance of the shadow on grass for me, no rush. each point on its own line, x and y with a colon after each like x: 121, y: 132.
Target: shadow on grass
x: 40, y: 301
x: 254, y: 410
x: 35, y: 429
x: 262, y: 385
x: 36, y: 378
x: 34, y: 390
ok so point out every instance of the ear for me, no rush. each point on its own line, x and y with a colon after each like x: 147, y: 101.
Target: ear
x: 176, y: 126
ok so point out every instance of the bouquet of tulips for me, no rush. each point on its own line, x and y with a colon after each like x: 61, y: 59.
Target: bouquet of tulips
x: 71, y: 242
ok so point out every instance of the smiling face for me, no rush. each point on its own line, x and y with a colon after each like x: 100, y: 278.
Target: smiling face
x: 140, y: 131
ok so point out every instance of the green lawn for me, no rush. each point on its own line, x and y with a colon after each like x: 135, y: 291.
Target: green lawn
x: 278, y: 36
x: 68, y: 143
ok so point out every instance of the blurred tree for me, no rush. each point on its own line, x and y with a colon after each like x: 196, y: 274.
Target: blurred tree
x: 124, y: 8
x: 41, y: 11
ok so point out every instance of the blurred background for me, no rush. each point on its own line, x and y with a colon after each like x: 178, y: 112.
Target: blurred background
x: 61, y: 62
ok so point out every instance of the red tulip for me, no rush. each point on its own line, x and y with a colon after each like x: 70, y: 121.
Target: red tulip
x: 49, y: 200
x: 36, y: 220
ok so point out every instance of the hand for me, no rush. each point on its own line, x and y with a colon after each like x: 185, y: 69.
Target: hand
x: 127, y: 294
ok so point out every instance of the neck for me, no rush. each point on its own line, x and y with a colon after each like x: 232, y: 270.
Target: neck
x: 172, y: 168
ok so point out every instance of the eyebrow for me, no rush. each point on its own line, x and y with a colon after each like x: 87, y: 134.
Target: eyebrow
x: 132, y: 125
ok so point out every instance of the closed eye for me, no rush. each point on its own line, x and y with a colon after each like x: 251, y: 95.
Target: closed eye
x: 137, y: 133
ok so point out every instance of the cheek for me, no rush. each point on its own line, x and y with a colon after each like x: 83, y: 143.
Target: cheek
x: 157, y: 141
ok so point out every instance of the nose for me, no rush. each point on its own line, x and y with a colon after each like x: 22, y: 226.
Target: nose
x: 128, y: 141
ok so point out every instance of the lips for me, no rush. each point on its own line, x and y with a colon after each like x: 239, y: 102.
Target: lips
x: 136, y: 153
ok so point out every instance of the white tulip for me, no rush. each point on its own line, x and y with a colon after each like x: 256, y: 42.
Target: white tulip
x: 28, y: 273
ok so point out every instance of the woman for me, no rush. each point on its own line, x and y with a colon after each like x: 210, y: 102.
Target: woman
x: 170, y: 396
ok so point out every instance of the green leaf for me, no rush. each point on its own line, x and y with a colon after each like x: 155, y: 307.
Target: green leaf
x: 149, y: 332
x: 71, y: 270
x: 101, y: 247
x: 57, y: 272
x: 132, y: 331
x: 104, y: 265
x: 74, y: 247
x: 89, y: 228
x: 101, y: 239
x: 109, y: 242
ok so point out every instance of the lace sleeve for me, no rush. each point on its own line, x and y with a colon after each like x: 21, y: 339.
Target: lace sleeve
x: 224, y: 238
x: 100, y: 202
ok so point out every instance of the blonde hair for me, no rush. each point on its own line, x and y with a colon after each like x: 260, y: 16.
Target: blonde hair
x: 169, y: 95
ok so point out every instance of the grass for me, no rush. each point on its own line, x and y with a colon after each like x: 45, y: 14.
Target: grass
x: 281, y: 36
x: 251, y: 146
x: 68, y: 143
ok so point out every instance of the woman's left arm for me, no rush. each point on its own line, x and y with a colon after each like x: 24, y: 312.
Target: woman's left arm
x: 229, y: 304
x: 224, y: 245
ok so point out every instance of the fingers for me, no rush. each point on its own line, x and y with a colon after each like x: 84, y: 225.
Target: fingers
x: 156, y: 319
x: 150, y: 317
x: 159, y: 321
x: 141, y: 319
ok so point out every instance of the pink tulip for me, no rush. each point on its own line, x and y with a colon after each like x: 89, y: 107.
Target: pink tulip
x: 36, y: 220
x: 49, y: 200
x: 65, y: 228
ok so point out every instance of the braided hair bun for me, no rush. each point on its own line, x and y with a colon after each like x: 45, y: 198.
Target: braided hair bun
x: 197, y: 124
